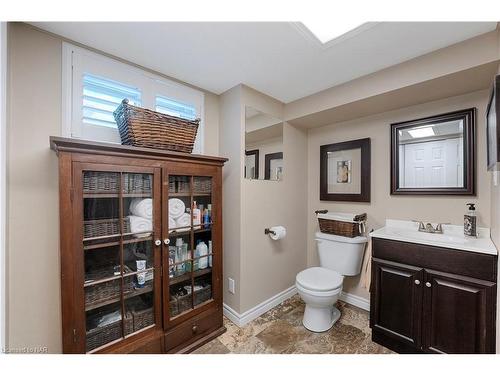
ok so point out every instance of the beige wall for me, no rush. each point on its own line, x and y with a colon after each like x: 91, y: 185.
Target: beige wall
x: 231, y: 135
x: 260, y: 267
x: 269, y: 267
x: 33, y: 294
x: 383, y: 205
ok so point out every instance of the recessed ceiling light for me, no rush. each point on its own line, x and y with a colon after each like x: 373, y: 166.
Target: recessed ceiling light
x: 328, y: 30
x: 422, y: 132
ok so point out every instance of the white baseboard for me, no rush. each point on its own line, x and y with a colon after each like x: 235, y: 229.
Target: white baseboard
x: 249, y: 315
x: 354, y: 300
x: 253, y: 313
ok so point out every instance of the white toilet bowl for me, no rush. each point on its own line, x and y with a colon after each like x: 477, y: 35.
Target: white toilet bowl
x: 319, y: 288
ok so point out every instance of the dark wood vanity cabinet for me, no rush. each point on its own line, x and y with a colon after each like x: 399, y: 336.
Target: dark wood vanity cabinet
x: 141, y: 267
x: 426, y: 299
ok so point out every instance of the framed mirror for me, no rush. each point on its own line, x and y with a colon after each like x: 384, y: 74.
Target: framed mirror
x: 263, y: 146
x: 434, y: 155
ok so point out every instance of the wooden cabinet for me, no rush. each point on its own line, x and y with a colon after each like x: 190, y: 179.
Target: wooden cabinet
x: 416, y: 308
x: 141, y: 248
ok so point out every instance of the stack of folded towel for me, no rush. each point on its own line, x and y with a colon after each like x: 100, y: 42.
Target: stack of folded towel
x: 177, y: 216
x: 141, y: 218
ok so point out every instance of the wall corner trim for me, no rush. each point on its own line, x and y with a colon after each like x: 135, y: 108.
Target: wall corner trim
x: 354, y: 300
x: 246, y: 317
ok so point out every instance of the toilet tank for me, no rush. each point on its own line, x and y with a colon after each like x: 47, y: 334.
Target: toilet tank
x: 341, y: 254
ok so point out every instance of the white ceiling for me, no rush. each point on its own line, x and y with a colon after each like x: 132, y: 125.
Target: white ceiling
x: 278, y: 59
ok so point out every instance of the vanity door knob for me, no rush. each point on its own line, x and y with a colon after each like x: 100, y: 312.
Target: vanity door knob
x: 166, y: 241
x: 195, y: 328
x: 158, y: 242
x: 417, y: 282
x: 428, y: 284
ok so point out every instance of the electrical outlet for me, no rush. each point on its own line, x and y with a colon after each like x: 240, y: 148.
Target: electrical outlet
x: 230, y: 285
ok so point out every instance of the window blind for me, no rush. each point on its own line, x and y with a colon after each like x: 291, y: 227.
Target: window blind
x: 101, y: 97
x: 175, y: 108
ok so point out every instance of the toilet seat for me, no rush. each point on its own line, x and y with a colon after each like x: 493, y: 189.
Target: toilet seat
x: 319, y: 279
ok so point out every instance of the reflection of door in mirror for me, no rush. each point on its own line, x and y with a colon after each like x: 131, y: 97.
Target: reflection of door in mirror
x: 263, y: 136
x: 432, y: 156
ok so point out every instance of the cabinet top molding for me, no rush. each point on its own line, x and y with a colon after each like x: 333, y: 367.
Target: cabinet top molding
x: 61, y: 144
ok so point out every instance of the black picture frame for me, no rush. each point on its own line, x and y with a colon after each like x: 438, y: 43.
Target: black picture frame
x: 365, y: 172
x: 469, y: 159
x: 267, y: 163
x: 255, y: 153
x: 493, y: 127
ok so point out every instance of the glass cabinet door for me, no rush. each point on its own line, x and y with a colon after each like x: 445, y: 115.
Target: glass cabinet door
x: 118, y: 255
x: 190, y: 249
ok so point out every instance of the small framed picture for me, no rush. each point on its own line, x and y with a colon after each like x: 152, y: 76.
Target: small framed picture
x: 345, y: 171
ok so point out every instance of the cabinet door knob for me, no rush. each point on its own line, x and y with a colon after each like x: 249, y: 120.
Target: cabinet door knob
x: 195, y: 328
x: 166, y: 241
x: 417, y: 282
x: 428, y: 284
x: 158, y: 242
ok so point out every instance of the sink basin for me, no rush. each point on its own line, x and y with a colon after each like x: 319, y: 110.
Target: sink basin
x: 452, y: 236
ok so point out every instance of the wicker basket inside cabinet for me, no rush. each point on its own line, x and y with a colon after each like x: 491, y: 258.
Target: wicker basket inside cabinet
x: 143, y: 127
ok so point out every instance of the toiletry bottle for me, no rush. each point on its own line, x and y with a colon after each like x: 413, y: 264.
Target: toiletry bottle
x: 470, y: 221
x: 206, y: 218
x: 202, y: 250
x: 179, y: 243
x: 196, y: 216
x: 196, y: 256
x: 210, y: 252
x: 209, y: 207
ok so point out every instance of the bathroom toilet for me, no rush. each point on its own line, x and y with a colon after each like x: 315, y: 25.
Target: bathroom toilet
x: 320, y: 287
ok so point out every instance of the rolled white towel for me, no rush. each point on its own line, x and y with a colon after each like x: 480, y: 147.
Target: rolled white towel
x: 183, y: 221
x: 140, y: 225
x: 176, y: 208
x: 172, y: 224
x: 142, y: 208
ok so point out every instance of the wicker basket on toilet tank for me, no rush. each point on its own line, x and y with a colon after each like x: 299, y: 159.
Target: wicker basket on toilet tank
x: 341, y: 224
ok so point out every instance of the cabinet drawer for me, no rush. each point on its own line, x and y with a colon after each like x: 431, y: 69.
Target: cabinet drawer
x: 465, y: 263
x: 192, y: 330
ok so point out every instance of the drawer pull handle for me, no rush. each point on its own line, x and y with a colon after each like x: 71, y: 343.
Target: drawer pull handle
x: 417, y: 282
x: 428, y: 284
x: 195, y: 329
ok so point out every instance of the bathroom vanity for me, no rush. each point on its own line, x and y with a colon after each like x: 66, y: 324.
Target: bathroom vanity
x: 433, y: 293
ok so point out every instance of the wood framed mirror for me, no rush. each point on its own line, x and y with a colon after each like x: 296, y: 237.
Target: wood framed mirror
x: 434, y: 155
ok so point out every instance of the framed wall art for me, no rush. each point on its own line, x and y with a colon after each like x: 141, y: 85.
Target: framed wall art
x: 345, y: 171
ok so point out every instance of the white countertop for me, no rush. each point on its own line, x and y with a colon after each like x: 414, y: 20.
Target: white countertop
x: 453, y: 236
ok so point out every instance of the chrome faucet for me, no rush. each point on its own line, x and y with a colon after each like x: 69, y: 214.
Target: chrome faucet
x: 428, y: 228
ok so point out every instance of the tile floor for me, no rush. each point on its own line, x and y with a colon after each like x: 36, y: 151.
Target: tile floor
x: 280, y: 330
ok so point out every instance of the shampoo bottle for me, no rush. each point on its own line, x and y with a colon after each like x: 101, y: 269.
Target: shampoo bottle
x: 470, y: 221
x: 196, y: 216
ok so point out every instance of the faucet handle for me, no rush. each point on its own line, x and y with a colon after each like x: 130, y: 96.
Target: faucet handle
x: 439, y: 227
x: 421, y: 224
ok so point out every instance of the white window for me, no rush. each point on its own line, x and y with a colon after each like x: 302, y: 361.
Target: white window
x: 94, y: 85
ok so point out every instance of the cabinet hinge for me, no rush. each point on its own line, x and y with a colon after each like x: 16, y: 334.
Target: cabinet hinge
x: 74, y: 335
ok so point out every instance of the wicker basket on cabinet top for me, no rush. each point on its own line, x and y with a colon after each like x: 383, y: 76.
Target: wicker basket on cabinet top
x: 143, y: 127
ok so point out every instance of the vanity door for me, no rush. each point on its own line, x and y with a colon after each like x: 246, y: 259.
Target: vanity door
x: 192, y: 259
x: 458, y: 314
x: 396, y: 302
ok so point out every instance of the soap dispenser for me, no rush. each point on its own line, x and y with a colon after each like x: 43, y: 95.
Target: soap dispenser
x: 470, y: 221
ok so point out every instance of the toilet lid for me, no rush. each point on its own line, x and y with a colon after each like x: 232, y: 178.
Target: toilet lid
x: 319, y: 278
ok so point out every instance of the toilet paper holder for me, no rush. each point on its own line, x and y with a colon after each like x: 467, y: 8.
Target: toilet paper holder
x: 269, y: 231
